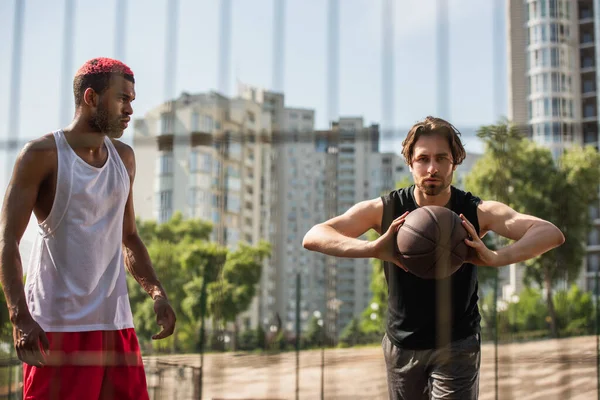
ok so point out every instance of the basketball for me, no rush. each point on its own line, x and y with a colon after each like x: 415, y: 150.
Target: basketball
x: 431, y: 243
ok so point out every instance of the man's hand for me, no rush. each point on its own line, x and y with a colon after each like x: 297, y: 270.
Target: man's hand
x: 385, y: 248
x: 31, y: 342
x: 165, y: 317
x: 480, y: 254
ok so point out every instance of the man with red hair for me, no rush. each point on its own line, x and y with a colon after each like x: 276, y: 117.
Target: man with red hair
x: 72, y: 322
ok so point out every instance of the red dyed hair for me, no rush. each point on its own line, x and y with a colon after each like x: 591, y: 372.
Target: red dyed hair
x: 96, y: 74
x: 104, y: 65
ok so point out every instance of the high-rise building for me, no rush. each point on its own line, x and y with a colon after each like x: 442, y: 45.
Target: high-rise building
x: 259, y: 170
x: 553, y: 72
x: 317, y: 175
x: 207, y: 157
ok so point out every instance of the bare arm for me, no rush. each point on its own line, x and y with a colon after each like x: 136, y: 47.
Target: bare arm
x: 532, y: 236
x: 30, y: 170
x: 137, y: 259
x: 338, y: 236
x: 19, y: 202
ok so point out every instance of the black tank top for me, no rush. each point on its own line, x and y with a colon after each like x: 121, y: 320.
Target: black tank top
x: 425, y: 314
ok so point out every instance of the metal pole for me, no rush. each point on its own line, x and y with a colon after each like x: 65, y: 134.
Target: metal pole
x: 202, y: 335
x: 171, y: 50
x: 298, y: 283
x: 597, y: 336
x: 442, y: 52
x: 322, y: 363
x: 120, y: 25
x: 278, y: 44
x: 66, y: 101
x: 224, y: 47
x: 333, y: 55
x: 496, y: 336
x: 15, y: 88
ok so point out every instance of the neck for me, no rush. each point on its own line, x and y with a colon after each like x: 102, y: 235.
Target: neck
x: 83, y: 137
x: 440, y: 199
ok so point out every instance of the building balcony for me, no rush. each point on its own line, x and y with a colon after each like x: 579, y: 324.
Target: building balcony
x: 587, y: 68
x: 588, y: 93
x: 589, y: 118
x: 587, y: 44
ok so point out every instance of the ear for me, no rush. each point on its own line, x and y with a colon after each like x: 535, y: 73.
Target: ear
x: 90, y: 97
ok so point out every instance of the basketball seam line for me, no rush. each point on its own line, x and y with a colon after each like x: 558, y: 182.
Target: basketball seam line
x: 419, y: 232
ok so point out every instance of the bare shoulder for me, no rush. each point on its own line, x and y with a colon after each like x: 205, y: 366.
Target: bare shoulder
x: 38, y: 155
x: 492, y: 209
x: 127, y: 155
x: 489, y: 210
x: 371, y: 207
x: 495, y: 215
x: 42, y: 146
x: 359, y: 218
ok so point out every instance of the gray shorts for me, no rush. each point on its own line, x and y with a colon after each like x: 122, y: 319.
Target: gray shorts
x: 450, y: 372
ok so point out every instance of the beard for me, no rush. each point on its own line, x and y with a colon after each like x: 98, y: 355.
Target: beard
x: 103, y: 123
x: 433, y: 189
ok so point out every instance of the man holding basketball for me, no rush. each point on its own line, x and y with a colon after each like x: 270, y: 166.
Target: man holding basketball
x: 428, y: 353
x: 72, y: 322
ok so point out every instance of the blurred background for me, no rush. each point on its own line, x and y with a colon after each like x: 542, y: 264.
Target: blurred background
x: 255, y: 120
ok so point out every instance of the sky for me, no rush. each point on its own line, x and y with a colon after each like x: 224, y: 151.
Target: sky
x: 470, y: 59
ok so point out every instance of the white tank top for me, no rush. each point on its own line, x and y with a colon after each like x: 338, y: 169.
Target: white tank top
x: 76, y: 277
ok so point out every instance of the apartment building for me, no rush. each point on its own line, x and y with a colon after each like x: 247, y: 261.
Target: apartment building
x: 259, y: 170
x: 553, y: 75
x: 207, y: 157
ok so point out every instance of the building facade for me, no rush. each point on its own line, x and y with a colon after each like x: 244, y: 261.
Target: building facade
x: 259, y: 170
x: 553, y: 74
x: 205, y: 156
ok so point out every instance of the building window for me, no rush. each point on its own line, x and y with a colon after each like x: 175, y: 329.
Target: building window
x: 589, y: 111
x: 233, y: 203
x: 164, y: 164
x: 166, y: 124
x: 164, y: 201
x: 198, y: 197
x: 235, y: 150
x: 553, y: 10
x: 232, y: 236
x: 200, y: 161
x: 594, y: 237
x: 208, y: 125
x: 593, y: 262
x: 195, y: 123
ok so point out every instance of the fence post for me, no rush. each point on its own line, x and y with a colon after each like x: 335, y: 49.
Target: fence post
x: 298, y: 284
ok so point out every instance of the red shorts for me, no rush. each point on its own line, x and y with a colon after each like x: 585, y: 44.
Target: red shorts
x: 89, y: 365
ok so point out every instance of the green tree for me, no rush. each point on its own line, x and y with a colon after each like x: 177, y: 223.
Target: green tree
x: 575, y: 311
x: 523, y: 175
x: 176, y: 229
x: 184, y: 261
x: 314, y: 333
x: 351, y: 335
x: 232, y: 293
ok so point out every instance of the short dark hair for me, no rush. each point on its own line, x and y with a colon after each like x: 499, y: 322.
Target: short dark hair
x: 434, y: 126
x: 96, y: 74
